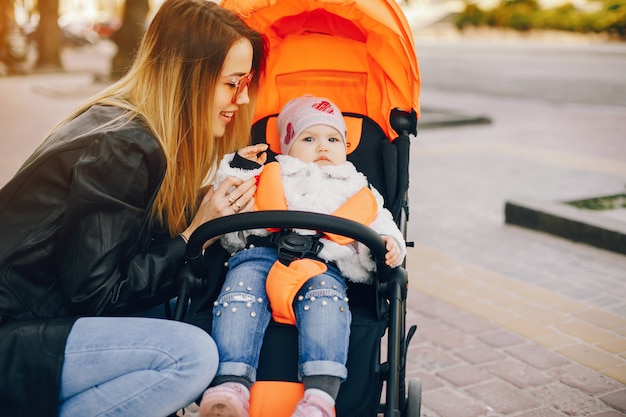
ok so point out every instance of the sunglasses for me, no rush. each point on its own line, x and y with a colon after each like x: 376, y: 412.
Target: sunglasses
x: 240, y: 84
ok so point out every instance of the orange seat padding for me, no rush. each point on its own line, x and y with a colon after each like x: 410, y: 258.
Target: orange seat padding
x: 274, y: 398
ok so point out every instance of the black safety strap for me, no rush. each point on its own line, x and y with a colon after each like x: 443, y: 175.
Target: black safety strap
x: 290, y: 245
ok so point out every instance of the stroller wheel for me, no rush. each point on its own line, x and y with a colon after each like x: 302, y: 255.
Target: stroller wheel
x: 414, y: 400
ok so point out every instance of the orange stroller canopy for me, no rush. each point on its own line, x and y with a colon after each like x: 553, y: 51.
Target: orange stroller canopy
x: 358, y: 53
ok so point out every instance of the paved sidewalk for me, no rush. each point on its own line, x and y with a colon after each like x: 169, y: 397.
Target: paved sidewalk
x: 511, y: 322
x: 514, y: 322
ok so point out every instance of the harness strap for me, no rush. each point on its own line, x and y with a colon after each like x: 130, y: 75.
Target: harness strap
x: 283, y: 283
x: 294, y: 266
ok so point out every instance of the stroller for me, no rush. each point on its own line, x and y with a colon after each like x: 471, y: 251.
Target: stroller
x: 360, y: 54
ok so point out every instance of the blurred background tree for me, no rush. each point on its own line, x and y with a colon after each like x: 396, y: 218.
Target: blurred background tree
x: 48, y: 36
x: 128, y: 36
x: 47, y: 26
x: 597, y: 16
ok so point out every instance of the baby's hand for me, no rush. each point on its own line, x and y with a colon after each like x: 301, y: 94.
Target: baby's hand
x: 393, y: 256
x: 255, y: 153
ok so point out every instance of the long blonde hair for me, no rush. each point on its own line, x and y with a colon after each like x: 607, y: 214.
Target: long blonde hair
x: 171, y: 86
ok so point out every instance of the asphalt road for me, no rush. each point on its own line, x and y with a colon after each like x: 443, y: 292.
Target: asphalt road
x: 587, y: 74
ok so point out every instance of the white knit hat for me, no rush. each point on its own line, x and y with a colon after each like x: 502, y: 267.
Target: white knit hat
x: 303, y: 112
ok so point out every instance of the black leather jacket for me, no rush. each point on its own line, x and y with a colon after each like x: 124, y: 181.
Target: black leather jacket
x: 75, y: 240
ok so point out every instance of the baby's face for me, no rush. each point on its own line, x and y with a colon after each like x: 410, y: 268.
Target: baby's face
x: 320, y: 144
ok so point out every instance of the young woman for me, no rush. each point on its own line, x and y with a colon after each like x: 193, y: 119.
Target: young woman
x: 94, y: 225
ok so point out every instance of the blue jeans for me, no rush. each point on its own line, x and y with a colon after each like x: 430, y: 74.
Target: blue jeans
x: 241, y: 315
x: 127, y: 366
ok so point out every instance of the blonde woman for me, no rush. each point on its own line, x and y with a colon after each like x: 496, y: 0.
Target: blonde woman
x: 94, y: 225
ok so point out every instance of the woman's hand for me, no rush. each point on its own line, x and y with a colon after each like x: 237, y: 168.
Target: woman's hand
x: 231, y: 197
x: 254, y: 153
x: 393, y: 256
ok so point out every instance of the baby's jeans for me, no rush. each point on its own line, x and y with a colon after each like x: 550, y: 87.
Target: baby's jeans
x: 241, y: 315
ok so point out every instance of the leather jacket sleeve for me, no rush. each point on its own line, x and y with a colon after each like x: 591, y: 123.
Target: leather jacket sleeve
x: 107, y: 261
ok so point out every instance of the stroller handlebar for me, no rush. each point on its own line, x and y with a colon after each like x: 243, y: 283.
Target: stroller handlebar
x: 287, y: 219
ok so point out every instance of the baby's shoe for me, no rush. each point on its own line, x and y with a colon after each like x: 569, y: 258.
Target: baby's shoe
x: 313, y: 405
x: 225, y: 400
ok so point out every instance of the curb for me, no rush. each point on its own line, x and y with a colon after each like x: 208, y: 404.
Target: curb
x: 565, y: 221
x: 431, y: 118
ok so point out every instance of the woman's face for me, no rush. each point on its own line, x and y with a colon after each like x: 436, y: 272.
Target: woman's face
x: 237, y: 65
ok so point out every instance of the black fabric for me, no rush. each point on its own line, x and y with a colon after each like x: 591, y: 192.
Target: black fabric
x: 243, y: 163
x: 31, y: 357
x: 359, y: 394
x: 76, y: 241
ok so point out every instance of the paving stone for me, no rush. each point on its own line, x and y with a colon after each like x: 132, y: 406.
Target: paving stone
x: 448, y: 338
x: 470, y: 324
x: 479, y: 355
x: 617, y: 373
x: 448, y: 403
x: 429, y: 382
x: 612, y: 413
x: 501, y: 339
x: 613, y: 346
x: 538, y: 357
x: 616, y: 400
x: 464, y: 375
x: 594, y: 358
x: 568, y: 400
x: 585, y: 379
x: 555, y: 341
x: 429, y: 358
x: 519, y: 374
x: 602, y: 318
x: 502, y: 397
x: 542, y: 412
x: 586, y: 332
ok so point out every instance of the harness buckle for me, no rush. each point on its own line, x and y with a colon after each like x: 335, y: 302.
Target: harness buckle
x: 291, y: 245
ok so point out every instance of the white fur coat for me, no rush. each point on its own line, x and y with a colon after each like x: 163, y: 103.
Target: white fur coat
x: 320, y: 189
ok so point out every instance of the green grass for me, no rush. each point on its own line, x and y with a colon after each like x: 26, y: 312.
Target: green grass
x: 601, y: 203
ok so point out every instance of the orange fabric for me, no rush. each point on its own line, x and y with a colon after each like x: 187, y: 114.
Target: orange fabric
x: 359, y: 53
x: 361, y: 208
x: 270, y: 195
x: 283, y: 282
x: 274, y: 398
